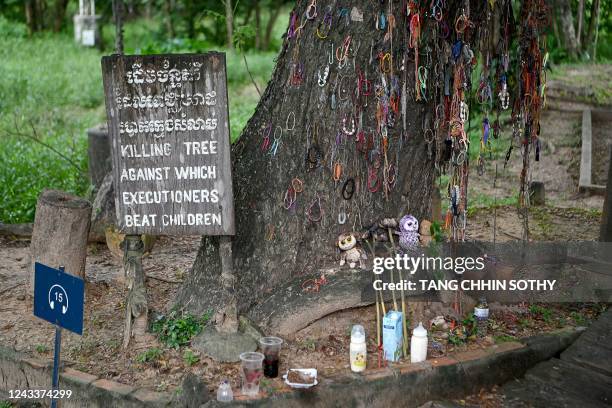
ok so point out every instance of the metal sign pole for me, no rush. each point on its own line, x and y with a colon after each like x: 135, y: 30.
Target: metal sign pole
x: 56, y: 360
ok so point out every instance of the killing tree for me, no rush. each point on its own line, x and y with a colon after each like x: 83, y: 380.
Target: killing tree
x: 368, y: 103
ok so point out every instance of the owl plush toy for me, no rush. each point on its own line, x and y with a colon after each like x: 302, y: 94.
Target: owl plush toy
x: 351, y: 254
x: 408, y: 234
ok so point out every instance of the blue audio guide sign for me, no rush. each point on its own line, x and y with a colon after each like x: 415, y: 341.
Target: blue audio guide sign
x: 58, y: 297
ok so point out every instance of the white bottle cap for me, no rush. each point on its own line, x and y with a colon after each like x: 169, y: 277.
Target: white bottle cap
x: 357, y: 334
x: 419, y: 331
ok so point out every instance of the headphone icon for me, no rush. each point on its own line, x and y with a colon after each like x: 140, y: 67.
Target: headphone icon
x: 59, y: 297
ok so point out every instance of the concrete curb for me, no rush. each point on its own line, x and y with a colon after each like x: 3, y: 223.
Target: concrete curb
x: 405, y: 384
x: 19, y: 372
x: 411, y: 385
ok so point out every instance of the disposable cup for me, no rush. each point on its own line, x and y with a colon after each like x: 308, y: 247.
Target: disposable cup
x: 270, y: 347
x: 251, y: 372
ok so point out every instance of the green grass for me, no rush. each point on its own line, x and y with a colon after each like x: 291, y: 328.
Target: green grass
x: 594, y: 77
x: 51, y: 90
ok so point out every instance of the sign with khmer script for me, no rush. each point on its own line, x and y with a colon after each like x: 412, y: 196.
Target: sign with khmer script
x: 170, y: 143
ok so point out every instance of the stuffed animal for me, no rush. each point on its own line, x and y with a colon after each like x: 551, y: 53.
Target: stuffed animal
x: 350, y: 253
x: 408, y: 234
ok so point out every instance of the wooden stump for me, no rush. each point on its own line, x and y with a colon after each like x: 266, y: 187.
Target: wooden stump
x: 59, y: 238
x: 98, y: 151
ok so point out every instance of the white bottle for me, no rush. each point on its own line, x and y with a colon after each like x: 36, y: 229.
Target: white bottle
x: 418, y: 344
x: 358, y: 351
x: 224, y: 392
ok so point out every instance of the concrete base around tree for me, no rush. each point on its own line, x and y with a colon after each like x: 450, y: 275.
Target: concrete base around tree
x: 408, y: 385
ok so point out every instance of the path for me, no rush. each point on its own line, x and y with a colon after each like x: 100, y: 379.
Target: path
x: 580, y: 377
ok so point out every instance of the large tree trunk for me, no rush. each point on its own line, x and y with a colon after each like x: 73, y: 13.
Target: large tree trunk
x: 274, y: 246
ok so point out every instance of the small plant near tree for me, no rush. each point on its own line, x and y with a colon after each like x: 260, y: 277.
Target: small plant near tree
x: 178, y: 328
x: 541, y: 312
x: 41, y: 348
x: 503, y: 338
x: 149, y: 356
x: 190, y: 358
x: 578, y: 318
x: 5, y: 404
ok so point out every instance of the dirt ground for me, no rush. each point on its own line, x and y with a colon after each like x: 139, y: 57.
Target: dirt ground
x: 324, y: 344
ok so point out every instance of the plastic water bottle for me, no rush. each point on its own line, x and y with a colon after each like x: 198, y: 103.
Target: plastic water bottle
x: 224, y: 392
x: 481, y: 313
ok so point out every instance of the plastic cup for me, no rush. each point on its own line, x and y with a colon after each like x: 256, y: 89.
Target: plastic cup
x: 270, y: 347
x: 251, y: 364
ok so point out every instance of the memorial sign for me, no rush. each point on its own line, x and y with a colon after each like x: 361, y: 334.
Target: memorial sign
x: 169, y: 127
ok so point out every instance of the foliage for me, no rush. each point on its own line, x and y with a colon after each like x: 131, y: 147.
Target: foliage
x: 541, y: 312
x: 5, y: 404
x: 12, y: 29
x: 436, y: 231
x: 177, y: 329
x: 469, y: 325
x: 578, y: 318
x: 51, y: 97
x: 59, y: 92
x: 190, y: 358
x: 151, y: 355
x: 503, y: 338
x: 41, y: 348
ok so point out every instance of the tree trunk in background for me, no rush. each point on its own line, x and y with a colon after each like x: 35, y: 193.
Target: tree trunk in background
x: 257, y: 25
x: 168, y: 18
x: 580, y: 22
x: 274, y: 13
x: 29, y: 16
x: 273, y: 245
x: 229, y: 23
x: 590, y: 40
x: 566, y: 20
x: 60, y: 15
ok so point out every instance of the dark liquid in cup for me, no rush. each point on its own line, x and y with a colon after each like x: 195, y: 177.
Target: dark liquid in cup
x: 270, y: 368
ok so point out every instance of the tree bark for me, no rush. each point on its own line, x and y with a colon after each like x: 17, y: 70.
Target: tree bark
x: 580, y: 22
x: 229, y: 23
x: 29, y: 16
x: 566, y: 20
x: 590, y: 40
x: 274, y: 13
x: 274, y: 246
x: 168, y: 18
x: 60, y: 15
x: 257, y: 25
x: 59, y: 238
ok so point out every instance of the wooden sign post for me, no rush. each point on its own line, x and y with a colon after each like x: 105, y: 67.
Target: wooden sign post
x: 168, y: 123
